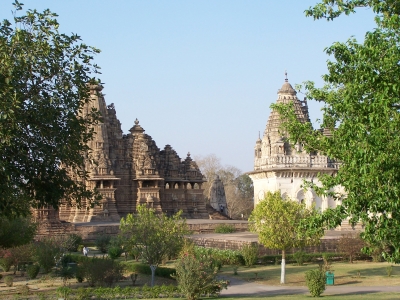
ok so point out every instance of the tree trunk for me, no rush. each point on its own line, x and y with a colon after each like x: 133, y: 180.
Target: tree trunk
x: 153, y: 272
x: 283, y: 265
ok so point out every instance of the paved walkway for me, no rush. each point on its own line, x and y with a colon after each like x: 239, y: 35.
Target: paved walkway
x: 243, y: 288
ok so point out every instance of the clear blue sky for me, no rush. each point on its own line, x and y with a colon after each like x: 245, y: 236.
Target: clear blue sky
x: 201, y: 75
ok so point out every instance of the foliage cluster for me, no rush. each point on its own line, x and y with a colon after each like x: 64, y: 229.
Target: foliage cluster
x: 44, y: 79
x: 145, y: 269
x: 33, y: 271
x: 300, y: 257
x: 316, y: 282
x: 47, y: 253
x: 6, y: 261
x: 250, y: 254
x: 8, y: 280
x: 145, y: 292
x: 115, y: 248
x: 156, y: 236
x: 73, y: 242
x: 280, y: 225
x: 222, y: 257
x: 197, y: 275
x: 101, y: 272
x: 102, y: 242
x: 361, y: 111
x: 307, y: 257
x: 351, y: 245
x: 224, y: 228
x: 16, y: 231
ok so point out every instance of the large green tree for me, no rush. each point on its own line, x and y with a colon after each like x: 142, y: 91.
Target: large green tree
x: 278, y: 223
x: 362, y: 101
x: 43, y: 88
x: 156, y: 236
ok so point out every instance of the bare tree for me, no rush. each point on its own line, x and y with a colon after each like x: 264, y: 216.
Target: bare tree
x: 238, y: 186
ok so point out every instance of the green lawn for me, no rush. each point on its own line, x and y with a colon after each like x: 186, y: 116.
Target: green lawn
x: 370, y: 274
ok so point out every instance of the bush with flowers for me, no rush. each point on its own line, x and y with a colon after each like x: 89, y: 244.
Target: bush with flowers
x: 197, y: 275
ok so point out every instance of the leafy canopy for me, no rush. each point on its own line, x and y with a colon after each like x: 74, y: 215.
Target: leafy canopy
x: 278, y: 223
x: 156, y: 235
x: 43, y: 88
x: 362, y: 101
x: 16, y: 232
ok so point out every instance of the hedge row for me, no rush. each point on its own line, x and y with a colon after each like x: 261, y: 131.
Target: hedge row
x: 307, y: 257
x: 163, y: 291
x: 145, y: 269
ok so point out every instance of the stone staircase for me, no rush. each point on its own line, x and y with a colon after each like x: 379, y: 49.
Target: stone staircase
x: 216, y: 215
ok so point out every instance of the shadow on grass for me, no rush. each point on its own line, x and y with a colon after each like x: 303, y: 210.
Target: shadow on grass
x: 348, y: 282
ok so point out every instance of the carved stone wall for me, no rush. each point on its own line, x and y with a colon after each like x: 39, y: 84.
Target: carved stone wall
x: 217, y: 196
x: 129, y: 170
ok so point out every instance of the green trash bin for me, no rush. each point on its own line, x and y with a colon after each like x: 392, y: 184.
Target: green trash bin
x: 330, y: 278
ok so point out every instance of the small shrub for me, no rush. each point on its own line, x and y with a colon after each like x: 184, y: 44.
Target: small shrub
x: 102, y: 242
x: 73, y: 242
x: 224, y: 228
x: 100, y: 272
x: 225, y: 257
x: 350, y: 245
x: 8, y: 280
x: 301, y: 257
x: 67, y: 273
x: 250, y: 254
x: 114, y: 252
x: 6, y: 263
x: 315, y: 280
x: 197, y: 276
x: 63, y: 292
x: 135, y: 253
x: 80, y: 274
x: 66, y: 259
x: 46, y: 250
x: 32, y: 271
x: 145, y: 270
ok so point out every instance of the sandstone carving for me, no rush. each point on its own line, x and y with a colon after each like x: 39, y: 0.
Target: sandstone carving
x: 129, y: 169
x: 217, y: 196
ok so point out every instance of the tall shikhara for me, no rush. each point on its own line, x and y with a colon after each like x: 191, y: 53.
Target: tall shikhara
x: 279, y: 165
x: 130, y: 169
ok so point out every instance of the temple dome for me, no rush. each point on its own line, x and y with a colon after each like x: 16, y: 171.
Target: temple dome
x: 287, y: 89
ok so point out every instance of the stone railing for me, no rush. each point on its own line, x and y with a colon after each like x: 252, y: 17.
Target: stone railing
x: 293, y: 161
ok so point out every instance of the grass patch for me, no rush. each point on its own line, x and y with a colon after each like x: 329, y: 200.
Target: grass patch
x: 357, y: 274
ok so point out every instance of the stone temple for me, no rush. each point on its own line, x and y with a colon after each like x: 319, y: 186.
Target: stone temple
x: 131, y: 170
x: 279, y: 166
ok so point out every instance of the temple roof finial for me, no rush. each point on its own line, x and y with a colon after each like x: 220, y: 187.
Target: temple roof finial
x: 286, y: 80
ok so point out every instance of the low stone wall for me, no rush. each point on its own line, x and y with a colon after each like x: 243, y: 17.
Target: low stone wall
x: 210, y: 227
